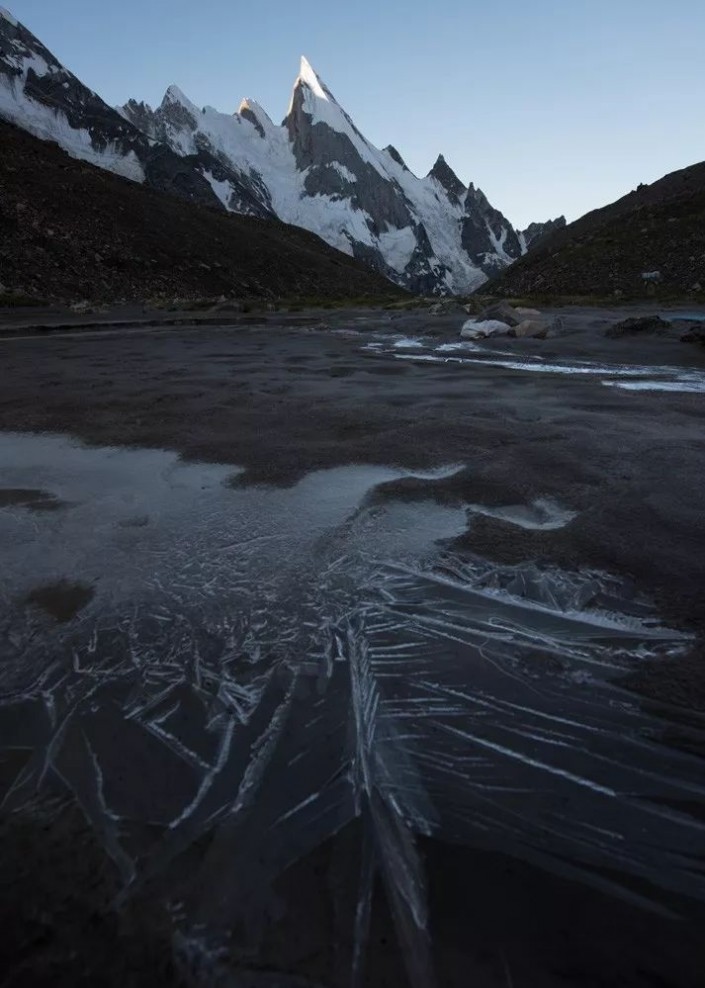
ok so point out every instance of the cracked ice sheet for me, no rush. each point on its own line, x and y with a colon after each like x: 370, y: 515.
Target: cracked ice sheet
x: 281, y: 662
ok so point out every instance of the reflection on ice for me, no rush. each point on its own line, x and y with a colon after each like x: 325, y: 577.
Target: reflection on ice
x: 263, y: 666
x: 543, y: 514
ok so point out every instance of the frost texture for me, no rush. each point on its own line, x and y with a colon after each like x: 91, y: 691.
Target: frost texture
x: 264, y: 666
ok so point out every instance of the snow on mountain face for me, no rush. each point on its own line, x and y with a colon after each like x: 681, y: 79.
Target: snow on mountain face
x: 316, y: 170
x: 432, y: 235
x: 39, y: 95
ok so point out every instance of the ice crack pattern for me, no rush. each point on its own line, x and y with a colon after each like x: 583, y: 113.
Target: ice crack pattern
x: 264, y: 666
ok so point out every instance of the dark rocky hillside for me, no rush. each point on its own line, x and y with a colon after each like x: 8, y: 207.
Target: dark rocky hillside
x: 656, y: 230
x: 70, y: 231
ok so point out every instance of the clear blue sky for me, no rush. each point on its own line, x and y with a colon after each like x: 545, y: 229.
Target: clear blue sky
x: 550, y: 106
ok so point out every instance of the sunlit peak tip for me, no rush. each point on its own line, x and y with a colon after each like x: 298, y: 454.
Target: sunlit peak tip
x: 309, y: 76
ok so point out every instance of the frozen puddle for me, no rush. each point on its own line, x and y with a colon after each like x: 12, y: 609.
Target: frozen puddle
x: 543, y: 514
x: 660, y: 378
x: 191, y: 659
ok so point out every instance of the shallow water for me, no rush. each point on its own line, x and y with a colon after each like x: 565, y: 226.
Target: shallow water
x: 265, y: 665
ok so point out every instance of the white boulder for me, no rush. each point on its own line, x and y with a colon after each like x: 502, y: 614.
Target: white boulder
x: 474, y: 330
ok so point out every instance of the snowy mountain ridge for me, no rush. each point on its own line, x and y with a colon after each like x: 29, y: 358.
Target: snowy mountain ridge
x: 316, y: 170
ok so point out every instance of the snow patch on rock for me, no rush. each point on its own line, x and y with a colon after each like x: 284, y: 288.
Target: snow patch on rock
x: 49, y: 125
x: 223, y: 190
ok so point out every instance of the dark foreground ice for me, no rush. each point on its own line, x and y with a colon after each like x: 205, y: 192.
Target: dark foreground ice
x: 261, y: 666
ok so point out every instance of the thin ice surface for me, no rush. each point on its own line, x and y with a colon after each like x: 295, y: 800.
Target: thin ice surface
x: 628, y: 377
x: 543, y: 514
x: 278, y: 663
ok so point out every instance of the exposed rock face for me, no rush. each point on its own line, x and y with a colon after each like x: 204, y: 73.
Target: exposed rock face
x: 142, y: 115
x: 446, y: 177
x: 335, y: 166
x: 250, y: 111
x: 486, y: 236
x: 431, y: 235
x: 38, y: 94
x: 175, y: 126
x: 395, y: 156
x: 535, y: 231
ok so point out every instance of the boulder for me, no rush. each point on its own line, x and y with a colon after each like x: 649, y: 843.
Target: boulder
x: 527, y: 313
x: 473, y: 329
x: 639, y: 326
x: 501, y: 312
x: 530, y: 327
x: 696, y: 334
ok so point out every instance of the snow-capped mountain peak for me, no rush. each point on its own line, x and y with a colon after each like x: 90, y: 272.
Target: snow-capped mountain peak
x: 309, y: 77
x: 316, y: 170
x: 176, y: 95
x: 250, y: 109
x: 311, y: 98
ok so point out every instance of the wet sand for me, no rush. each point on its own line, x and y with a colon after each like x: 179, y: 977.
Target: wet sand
x: 559, y: 470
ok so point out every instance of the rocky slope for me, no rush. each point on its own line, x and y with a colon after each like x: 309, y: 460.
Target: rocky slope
x: 70, y: 231
x: 536, y: 231
x: 649, y: 241
x: 316, y: 170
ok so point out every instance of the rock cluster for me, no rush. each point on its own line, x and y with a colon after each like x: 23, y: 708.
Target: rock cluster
x: 503, y: 319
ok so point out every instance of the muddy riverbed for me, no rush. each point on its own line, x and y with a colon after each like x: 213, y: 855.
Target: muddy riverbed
x: 338, y: 652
